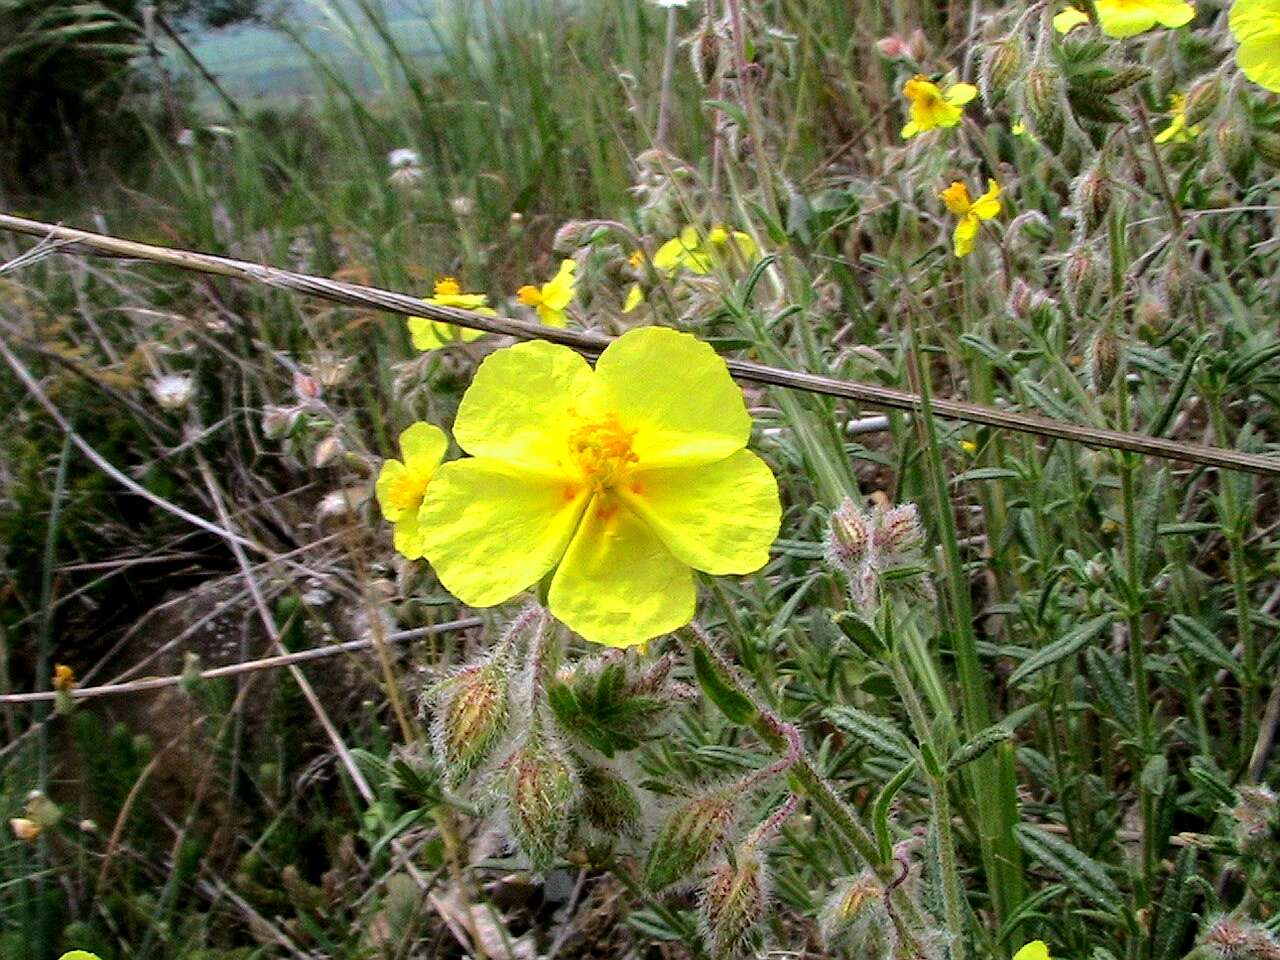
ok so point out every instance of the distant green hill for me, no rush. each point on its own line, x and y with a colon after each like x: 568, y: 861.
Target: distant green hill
x: 262, y: 62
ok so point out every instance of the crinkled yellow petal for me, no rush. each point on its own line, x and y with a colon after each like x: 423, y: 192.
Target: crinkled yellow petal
x: 407, y: 536
x: 958, y: 94
x: 957, y: 199
x: 635, y: 297
x: 1069, y: 19
x: 463, y: 301
x: 1256, y: 26
x: 520, y: 405
x: 491, y: 530
x: 557, y: 293
x: 1260, y: 61
x: 1174, y: 13
x: 618, y: 584
x: 720, y: 518
x: 987, y: 205
x: 965, y: 235
x: 910, y: 130
x: 677, y: 251
x: 1171, y: 131
x: 676, y: 394
x: 1035, y: 950
x: 431, y: 334
x: 1128, y: 18
x: 423, y: 446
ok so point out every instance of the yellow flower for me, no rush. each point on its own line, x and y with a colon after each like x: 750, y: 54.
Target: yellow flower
x: 1019, y: 129
x: 969, y: 447
x: 64, y: 678
x: 622, y: 480
x: 1035, y: 950
x: 1128, y: 18
x: 430, y: 334
x: 1177, y: 130
x: 635, y: 297
x: 699, y: 255
x: 970, y: 212
x: 401, y: 485
x: 932, y: 106
x: 1256, y: 26
x: 554, y: 296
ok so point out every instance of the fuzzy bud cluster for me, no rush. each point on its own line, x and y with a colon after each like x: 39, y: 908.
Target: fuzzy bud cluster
x: 856, y: 919
x: 1228, y: 939
x: 733, y: 901
x: 471, y: 715
x: 538, y: 787
x: 690, y: 835
x: 864, y: 544
x: 1256, y: 818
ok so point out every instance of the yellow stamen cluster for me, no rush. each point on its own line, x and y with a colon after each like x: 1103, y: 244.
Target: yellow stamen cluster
x: 602, y: 450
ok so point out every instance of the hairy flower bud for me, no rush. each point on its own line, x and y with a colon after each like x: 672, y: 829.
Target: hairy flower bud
x: 733, y: 901
x: 1091, y: 194
x: 1233, y: 146
x: 1001, y: 62
x: 691, y: 833
x: 1080, y: 275
x: 1042, y: 103
x: 849, y: 536
x: 470, y: 717
x: 1202, y: 100
x: 1030, y: 305
x: 1256, y: 820
x: 1103, y: 359
x: 856, y: 919
x: 539, y: 788
x: 1267, y: 146
x: 1228, y: 939
x: 608, y: 803
x: 899, y: 530
x: 704, y: 53
x: 1151, y: 315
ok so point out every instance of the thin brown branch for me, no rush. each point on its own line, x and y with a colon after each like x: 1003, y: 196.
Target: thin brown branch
x: 592, y: 344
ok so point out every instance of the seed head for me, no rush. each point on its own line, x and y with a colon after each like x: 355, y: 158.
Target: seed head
x: 855, y: 919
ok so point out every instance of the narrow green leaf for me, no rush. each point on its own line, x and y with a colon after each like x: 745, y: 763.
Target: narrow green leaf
x: 880, y: 810
x: 1174, y: 918
x: 1061, y: 649
x: 1080, y: 871
x: 1199, y: 640
x: 876, y: 732
x: 732, y: 703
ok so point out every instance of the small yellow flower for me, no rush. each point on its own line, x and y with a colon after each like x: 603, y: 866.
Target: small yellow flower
x: 1256, y: 27
x: 635, y: 297
x: 616, y: 481
x: 1019, y: 129
x: 1128, y: 18
x: 700, y: 255
x: 553, y: 297
x: 64, y: 678
x: 401, y: 485
x: 430, y: 334
x: 931, y: 106
x: 969, y: 447
x: 1178, y: 131
x: 970, y: 212
x: 1035, y: 950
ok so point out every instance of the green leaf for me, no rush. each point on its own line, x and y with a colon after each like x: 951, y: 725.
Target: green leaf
x: 876, y: 732
x: 985, y: 473
x: 880, y: 810
x: 1112, y: 686
x: 1174, y: 917
x: 1061, y: 649
x: 734, y: 704
x: 1077, y: 869
x: 1199, y: 640
x: 1164, y: 418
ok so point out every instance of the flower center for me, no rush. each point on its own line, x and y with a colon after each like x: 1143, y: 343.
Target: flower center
x: 602, y: 450
x: 406, y: 490
x: 447, y: 287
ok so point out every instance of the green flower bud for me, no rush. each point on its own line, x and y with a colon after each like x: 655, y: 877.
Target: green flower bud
x: 1080, y: 275
x: 470, y: 717
x: 1103, y: 360
x: 1091, y: 196
x: 855, y: 918
x: 1001, y: 62
x: 733, y: 901
x: 688, y: 837
x: 609, y: 804
x: 539, y: 788
x: 1042, y: 103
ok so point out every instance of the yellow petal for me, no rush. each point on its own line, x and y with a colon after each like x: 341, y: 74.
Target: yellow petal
x: 463, y: 301
x: 676, y: 394
x: 392, y: 479
x: 720, y: 518
x: 423, y: 445
x: 956, y: 197
x: 551, y: 317
x: 618, y: 583
x: 491, y: 530
x: 520, y: 403
x: 1254, y: 19
x: 678, y: 251
x: 431, y: 334
x: 635, y: 297
x: 910, y: 130
x: 1069, y: 19
x: 1128, y: 18
x: 1260, y: 62
x: 557, y: 293
x: 966, y: 233
x: 959, y: 94
x: 1035, y: 950
x: 987, y: 205
x: 407, y: 537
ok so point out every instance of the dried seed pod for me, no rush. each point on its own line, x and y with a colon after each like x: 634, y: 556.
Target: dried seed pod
x: 704, y: 52
x: 733, y: 901
x: 471, y: 715
x: 539, y: 789
x: 691, y: 833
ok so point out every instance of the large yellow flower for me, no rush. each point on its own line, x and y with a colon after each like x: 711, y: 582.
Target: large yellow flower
x: 970, y: 212
x: 553, y: 297
x: 931, y: 106
x: 1035, y: 950
x: 1256, y: 26
x: 401, y: 485
x: 430, y: 334
x: 1128, y: 18
x: 700, y: 255
x: 619, y: 479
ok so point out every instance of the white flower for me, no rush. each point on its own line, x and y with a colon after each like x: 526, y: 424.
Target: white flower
x: 172, y: 391
x: 403, y: 157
